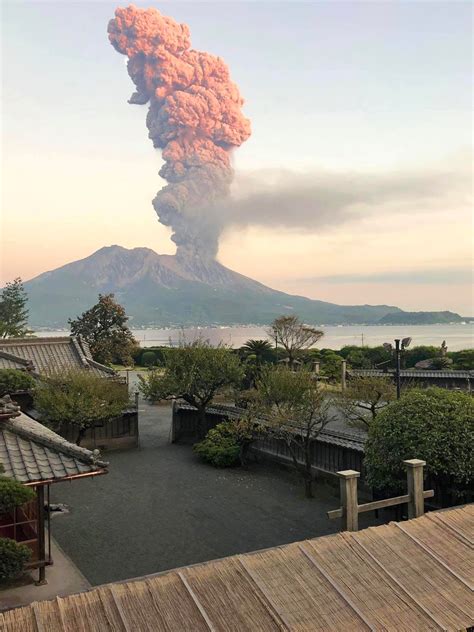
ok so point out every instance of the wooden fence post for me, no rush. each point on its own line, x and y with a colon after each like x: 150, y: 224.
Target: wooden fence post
x: 416, y: 504
x: 343, y: 375
x: 350, y: 512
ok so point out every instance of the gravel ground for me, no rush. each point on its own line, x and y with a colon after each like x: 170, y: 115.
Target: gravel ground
x: 160, y: 507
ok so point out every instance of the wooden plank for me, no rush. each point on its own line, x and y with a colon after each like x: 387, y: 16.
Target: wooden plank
x: 118, y: 606
x: 274, y: 612
x: 386, y: 502
x: 432, y: 554
x: 196, y: 601
x: 338, y: 589
x: 399, y: 584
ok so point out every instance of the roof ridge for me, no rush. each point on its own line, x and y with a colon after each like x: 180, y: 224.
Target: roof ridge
x: 50, y: 439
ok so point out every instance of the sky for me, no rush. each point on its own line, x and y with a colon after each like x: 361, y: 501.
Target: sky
x: 355, y: 186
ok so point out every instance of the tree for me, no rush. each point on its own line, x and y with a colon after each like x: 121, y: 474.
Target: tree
x: 294, y: 336
x: 436, y: 425
x: 12, y: 381
x: 364, y: 398
x: 79, y: 398
x: 331, y: 365
x: 13, y: 310
x: 261, y: 349
x: 104, y: 327
x: 195, y: 372
x: 294, y: 411
x: 462, y: 360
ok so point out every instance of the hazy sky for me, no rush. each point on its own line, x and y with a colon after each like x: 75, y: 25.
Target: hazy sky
x: 354, y: 187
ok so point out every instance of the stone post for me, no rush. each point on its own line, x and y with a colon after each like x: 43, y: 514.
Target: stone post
x: 416, y: 504
x: 343, y: 374
x: 350, y: 511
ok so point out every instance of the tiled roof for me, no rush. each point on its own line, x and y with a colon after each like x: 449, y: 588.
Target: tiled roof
x: 415, y: 575
x: 30, y: 452
x: 45, y: 356
x: 458, y: 375
x: 355, y: 440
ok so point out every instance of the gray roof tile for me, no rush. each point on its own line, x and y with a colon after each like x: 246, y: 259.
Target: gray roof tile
x: 30, y: 452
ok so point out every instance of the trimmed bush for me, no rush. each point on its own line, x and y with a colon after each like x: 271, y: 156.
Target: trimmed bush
x: 13, y: 494
x: 13, y: 557
x: 435, y: 425
x: 13, y: 381
x: 148, y: 358
x: 220, y: 447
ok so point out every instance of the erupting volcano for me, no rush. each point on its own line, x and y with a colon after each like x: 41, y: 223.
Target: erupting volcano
x: 194, y: 116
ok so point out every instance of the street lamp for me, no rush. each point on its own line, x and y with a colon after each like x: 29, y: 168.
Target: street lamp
x: 405, y: 342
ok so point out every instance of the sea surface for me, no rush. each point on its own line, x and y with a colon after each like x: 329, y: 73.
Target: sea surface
x: 457, y: 336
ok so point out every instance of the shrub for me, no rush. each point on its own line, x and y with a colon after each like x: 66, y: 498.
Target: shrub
x: 220, y: 446
x: 435, y: 425
x: 148, y: 358
x: 13, y: 494
x: 13, y: 557
x: 12, y: 381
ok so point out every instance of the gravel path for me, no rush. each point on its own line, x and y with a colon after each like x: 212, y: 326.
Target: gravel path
x: 160, y: 507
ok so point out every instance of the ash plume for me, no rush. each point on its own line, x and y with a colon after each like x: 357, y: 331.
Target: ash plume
x: 194, y: 117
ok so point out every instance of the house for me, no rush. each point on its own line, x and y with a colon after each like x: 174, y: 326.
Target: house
x: 38, y: 457
x: 414, y: 575
x: 44, y: 357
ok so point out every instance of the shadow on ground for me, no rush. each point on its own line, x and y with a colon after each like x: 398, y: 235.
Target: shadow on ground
x: 160, y: 507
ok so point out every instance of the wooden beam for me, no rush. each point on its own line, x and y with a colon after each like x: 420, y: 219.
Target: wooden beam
x: 255, y: 582
x: 350, y: 513
x: 197, y: 603
x: 416, y: 504
x: 342, y: 593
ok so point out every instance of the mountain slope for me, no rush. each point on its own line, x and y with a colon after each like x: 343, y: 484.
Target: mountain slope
x: 168, y: 290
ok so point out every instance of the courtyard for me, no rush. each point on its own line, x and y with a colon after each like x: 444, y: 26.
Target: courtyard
x: 159, y: 507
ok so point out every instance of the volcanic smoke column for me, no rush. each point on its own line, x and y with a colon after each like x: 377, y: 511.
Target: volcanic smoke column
x: 194, y: 116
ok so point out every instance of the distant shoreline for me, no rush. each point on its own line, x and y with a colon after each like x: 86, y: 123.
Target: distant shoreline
x: 457, y: 335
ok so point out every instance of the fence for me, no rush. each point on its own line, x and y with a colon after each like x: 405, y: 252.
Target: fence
x: 331, y: 451
x: 350, y: 509
x: 119, y: 433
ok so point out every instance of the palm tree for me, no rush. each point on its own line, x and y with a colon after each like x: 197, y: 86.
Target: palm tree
x: 259, y: 348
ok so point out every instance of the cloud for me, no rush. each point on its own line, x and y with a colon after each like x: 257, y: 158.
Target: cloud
x: 410, y: 277
x: 320, y: 199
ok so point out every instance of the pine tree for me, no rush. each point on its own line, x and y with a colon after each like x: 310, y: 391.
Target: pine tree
x: 13, y: 310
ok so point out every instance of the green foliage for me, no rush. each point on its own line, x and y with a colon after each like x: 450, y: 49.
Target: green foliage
x: 148, y: 358
x: 13, y: 494
x: 423, y: 352
x: 13, y: 381
x: 261, y: 350
x: 296, y: 411
x: 13, y: 557
x: 13, y: 310
x: 194, y: 372
x: 435, y: 425
x: 158, y: 352
x: 220, y: 448
x: 79, y: 398
x: 227, y: 443
x: 104, y: 327
x: 462, y: 360
x: 331, y: 365
x: 364, y: 398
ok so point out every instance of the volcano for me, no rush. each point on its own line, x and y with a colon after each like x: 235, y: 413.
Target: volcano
x: 165, y: 290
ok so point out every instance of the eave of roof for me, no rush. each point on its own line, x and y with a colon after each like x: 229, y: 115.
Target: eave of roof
x: 34, y: 454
